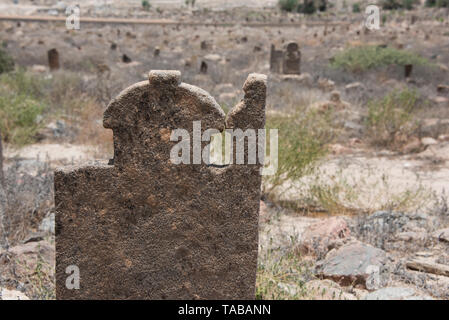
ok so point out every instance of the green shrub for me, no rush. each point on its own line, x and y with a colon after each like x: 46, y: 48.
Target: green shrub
x: 442, y: 3
x: 356, y: 7
x: 146, y: 5
x: 288, y: 5
x: 368, y: 57
x: 390, y: 120
x: 302, y: 141
x: 437, y: 3
x: 6, y: 62
x: 20, y: 107
x: 408, y: 4
x: 399, y: 4
x: 308, y: 7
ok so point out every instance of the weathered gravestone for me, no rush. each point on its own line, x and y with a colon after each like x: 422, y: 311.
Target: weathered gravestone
x: 145, y: 228
x: 292, y: 59
x: 276, y: 59
x: 53, y: 59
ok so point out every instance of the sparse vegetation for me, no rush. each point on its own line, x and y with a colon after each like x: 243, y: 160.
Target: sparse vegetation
x: 302, y: 142
x: 308, y: 7
x: 146, y: 5
x: 6, y: 62
x: 399, y: 4
x: 288, y: 5
x: 437, y: 3
x: 390, y: 121
x: 20, y: 107
x: 282, y: 278
x: 356, y: 8
x: 368, y: 57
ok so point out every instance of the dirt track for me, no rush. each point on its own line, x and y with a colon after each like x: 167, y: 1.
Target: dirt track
x: 164, y: 22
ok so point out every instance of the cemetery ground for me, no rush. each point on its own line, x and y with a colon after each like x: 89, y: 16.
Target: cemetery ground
x: 363, y: 150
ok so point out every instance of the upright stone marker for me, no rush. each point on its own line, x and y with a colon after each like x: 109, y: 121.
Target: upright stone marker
x: 53, y: 59
x: 292, y: 59
x: 145, y: 228
x: 276, y: 59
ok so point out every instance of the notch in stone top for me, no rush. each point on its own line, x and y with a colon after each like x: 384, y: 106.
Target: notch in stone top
x: 250, y: 112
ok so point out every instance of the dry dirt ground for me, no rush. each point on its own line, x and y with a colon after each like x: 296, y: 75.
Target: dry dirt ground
x: 391, y: 201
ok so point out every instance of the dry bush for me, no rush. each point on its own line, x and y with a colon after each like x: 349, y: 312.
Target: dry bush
x: 29, y: 197
x: 391, y: 120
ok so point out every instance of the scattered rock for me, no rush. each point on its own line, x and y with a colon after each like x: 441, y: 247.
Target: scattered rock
x: 432, y: 126
x: 356, y: 264
x: 290, y: 289
x: 396, y: 293
x: 441, y: 235
x: 39, y: 68
x: 157, y: 52
x: 326, y: 84
x: 213, y: 57
x: 326, y: 290
x: 126, y: 59
x: 325, y: 235
x: 380, y: 228
x: 6, y: 294
x: 437, y: 151
x: 338, y: 149
x: 440, y: 100
x: 427, y: 141
x: 304, y: 78
x: 409, y: 236
x: 353, y: 126
x: 414, y: 145
x: 428, y: 265
x: 443, y: 88
x: 355, y: 86
x: 48, y: 223
x: 34, y: 237
x: 335, y: 103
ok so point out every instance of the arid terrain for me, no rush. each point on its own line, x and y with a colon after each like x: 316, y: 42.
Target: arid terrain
x: 358, y: 208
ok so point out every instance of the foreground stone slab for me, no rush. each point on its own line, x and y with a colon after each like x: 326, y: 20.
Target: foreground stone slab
x: 428, y: 266
x: 145, y: 228
x: 396, y: 293
x: 356, y: 264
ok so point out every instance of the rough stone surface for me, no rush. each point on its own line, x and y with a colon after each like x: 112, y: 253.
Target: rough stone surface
x: 355, y: 264
x: 396, y: 293
x: 48, y: 223
x: 442, y: 235
x: 380, y: 228
x: 145, y: 228
x: 325, y: 235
